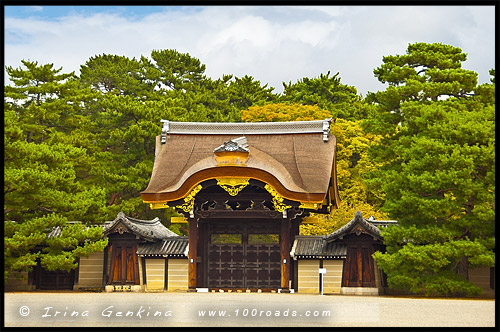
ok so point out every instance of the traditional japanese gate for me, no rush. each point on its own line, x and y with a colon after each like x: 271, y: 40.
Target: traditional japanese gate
x: 243, y: 188
x: 241, y: 241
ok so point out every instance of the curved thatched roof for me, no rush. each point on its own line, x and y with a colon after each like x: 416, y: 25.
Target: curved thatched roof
x: 296, y: 158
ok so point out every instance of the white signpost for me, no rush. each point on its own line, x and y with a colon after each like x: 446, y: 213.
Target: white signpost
x: 321, y: 272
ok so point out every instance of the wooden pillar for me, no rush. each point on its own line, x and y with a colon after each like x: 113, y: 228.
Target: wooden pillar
x: 193, y: 245
x: 294, y: 271
x: 143, y: 271
x: 359, y: 261
x: 285, y: 255
x: 112, y: 267
x: 136, y: 265
x: 105, y: 267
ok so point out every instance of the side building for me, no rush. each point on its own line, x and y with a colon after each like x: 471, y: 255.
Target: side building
x: 344, y: 257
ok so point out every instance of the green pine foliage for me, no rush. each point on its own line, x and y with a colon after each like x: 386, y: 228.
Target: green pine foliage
x: 438, y: 169
x: 45, y: 173
x: 328, y: 93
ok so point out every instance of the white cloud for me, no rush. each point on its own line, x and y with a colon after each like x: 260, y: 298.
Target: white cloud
x: 34, y: 9
x: 273, y: 44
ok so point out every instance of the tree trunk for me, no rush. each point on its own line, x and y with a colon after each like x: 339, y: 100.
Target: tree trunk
x: 463, y: 267
x: 113, y: 198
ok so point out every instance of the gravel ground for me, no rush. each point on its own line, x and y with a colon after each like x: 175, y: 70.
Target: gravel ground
x: 84, y: 309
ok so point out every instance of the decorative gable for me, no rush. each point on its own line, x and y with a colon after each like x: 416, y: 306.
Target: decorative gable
x: 239, y: 144
x: 150, y: 230
x: 232, y: 153
x: 357, y: 226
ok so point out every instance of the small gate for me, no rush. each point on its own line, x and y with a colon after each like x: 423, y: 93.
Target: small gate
x: 124, y: 264
x: 359, y: 266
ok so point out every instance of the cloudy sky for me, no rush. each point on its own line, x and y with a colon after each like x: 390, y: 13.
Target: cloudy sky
x: 272, y: 44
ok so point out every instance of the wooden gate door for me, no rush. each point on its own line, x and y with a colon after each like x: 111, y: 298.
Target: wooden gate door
x: 55, y: 280
x: 240, y: 258
x: 263, y: 268
x: 226, y: 261
x: 359, y: 267
x: 124, y: 264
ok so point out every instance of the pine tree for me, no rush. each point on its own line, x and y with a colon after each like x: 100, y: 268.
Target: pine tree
x: 437, y: 169
x: 327, y: 92
x: 46, y: 171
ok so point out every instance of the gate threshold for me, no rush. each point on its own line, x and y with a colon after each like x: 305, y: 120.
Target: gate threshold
x: 241, y: 290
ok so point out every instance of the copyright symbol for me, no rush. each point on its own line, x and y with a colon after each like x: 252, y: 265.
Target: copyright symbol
x: 24, y: 311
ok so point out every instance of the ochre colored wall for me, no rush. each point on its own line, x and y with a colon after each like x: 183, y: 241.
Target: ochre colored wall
x: 332, y: 280
x: 481, y: 278
x: 90, y: 271
x: 177, y: 274
x: 155, y: 274
x: 308, y: 276
x: 139, y: 261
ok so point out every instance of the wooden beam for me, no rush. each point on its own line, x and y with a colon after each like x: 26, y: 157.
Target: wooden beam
x: 193, y: 245
x: 359, y: 261
x: 294, y: 231
x: 241, y: 196
x: 285, y: 255
x: 238, y: 214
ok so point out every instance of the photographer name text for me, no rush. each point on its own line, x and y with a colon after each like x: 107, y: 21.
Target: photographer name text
x: 108, y: 312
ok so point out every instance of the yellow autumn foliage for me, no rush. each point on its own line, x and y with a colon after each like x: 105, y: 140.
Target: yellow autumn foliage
x: 282, y: 112
x: 352, y: 162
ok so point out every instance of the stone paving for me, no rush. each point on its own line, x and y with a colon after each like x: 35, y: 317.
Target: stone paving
x: 85, y: 309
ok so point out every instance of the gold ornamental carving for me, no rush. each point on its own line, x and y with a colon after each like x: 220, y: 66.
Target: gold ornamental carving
x: 277, y: 199
x: 233, y: 185
x: 311, y: 206
x: 189, y: 199
x: 162, y: 205
x: 358, y: 230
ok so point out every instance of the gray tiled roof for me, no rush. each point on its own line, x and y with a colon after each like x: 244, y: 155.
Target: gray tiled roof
x: 170, y: 247
x: 347, y: 228
x: 382, y: 223
x: 56, y: 231
x: 151, y: 230
x: 317, y: 247
x: 335, y: 250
